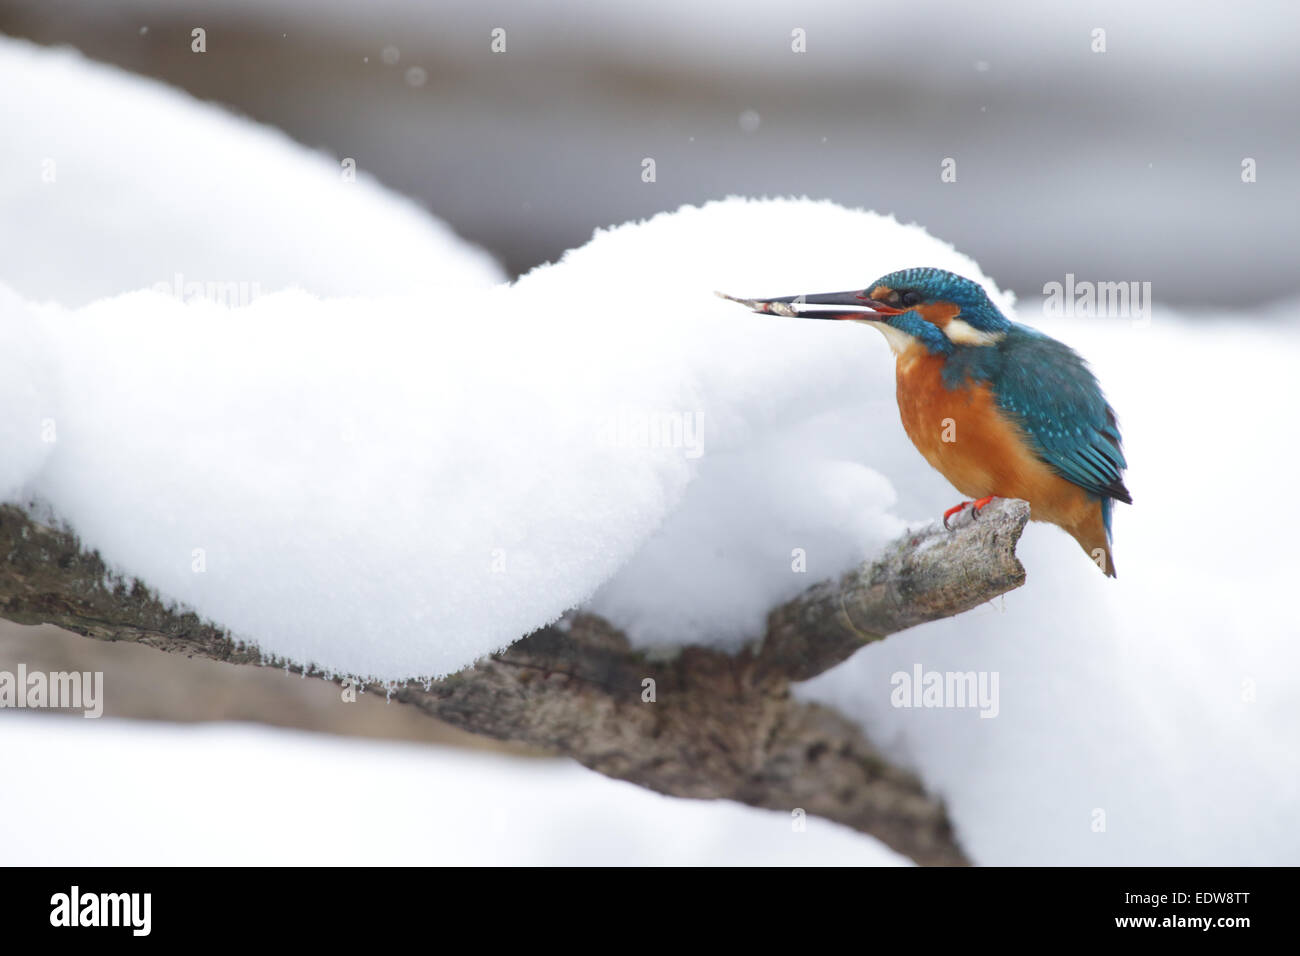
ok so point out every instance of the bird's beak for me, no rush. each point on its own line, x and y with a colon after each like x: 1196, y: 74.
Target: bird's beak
x: 828, y: 305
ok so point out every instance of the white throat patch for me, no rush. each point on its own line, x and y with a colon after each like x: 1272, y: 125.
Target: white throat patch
x: 899, y: 341
x: 961, y: 332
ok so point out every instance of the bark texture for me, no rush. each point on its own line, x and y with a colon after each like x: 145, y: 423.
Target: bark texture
x: 720, y: 725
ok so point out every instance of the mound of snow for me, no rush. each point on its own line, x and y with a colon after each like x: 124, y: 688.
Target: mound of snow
x: 27, y: 428
x: 111, y: 182
x: 396, y: 487
x: 421, y: 806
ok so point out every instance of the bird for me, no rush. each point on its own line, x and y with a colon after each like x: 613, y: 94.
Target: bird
x: 998, y: 408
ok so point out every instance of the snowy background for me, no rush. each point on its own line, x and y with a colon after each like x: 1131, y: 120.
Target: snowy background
x: 367, y: 410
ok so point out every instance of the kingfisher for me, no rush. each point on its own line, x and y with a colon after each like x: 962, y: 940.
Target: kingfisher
x: 998, y: 408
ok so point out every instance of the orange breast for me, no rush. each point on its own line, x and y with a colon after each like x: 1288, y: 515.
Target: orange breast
x: 970, y: 442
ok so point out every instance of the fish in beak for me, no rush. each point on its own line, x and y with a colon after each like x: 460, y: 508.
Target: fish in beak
x: 828, y: 305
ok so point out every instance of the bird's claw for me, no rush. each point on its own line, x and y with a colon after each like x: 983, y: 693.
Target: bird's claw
x: 952, y: 511
x: 975, y: 506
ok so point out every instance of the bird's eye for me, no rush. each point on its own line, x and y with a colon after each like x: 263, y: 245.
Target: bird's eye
x: 910, y: 298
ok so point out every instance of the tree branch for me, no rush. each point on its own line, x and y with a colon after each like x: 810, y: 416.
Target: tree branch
x: 925, y: 575
x: 720, y: 725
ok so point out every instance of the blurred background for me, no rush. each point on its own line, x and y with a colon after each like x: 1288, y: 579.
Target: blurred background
x: 1114, y: 155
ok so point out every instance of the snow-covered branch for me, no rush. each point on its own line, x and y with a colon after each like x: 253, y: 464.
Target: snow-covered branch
x: 698, y: 722
x: 922, y: 576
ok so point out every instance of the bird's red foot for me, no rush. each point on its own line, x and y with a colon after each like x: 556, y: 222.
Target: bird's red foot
x: 975, y: 506
x: 952, y: 511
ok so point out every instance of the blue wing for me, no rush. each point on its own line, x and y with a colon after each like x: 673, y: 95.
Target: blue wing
x: 1045, y: 387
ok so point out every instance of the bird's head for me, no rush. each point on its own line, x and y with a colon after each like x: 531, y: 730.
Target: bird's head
x: 930, y: 308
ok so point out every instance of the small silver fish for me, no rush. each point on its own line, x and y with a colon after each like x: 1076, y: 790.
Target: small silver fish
x: 758, y: 305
